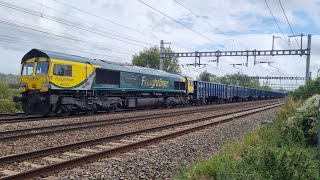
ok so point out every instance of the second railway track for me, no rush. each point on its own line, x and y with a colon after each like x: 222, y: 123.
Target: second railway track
x: 47, y: 130
x: 21, y: 117
x: 65, y: 156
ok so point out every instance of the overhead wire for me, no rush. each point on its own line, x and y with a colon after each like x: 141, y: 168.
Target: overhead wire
x: 198, y: 33
x: 44, y: 31
x: 99, y: 17
x: 90, y: 22
x: 288, y: 22
x: 67, y: 13
x: 298, y: 67
x: 208, y: 23
x: 41, y: 45
x: 110, y: 21
x: 275, y: 20
x: 28, y: 11
x: 176, y: 21
x: 102, y: 18
x: 177, y: 44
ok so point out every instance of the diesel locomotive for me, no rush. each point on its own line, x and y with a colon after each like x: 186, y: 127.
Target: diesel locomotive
x: 63, y: 84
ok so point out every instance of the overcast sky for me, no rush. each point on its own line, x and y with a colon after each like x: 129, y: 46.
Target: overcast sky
x: 117, y: 29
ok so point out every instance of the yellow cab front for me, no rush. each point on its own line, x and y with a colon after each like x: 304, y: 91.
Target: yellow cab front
x: 34, y: 75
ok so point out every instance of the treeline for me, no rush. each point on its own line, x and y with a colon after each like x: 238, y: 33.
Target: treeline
x: 303, y: 92
x: 232, y: 79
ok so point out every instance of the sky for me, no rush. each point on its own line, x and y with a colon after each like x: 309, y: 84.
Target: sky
x: 115, y: 30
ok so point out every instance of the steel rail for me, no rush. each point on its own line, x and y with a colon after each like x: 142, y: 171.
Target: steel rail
x: 7, y: 135
x: 39, y: 118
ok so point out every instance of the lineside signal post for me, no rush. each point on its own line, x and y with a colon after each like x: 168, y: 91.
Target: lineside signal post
x: 250, y: 53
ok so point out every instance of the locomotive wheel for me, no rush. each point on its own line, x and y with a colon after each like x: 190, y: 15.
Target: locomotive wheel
x: 64, y: 111
x: 44, y: 108
x: 170, y: 104
x: 92, y: 110
x: 112, y: 108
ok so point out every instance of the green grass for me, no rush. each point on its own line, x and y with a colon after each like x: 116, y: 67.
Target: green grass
x: 283, y: 150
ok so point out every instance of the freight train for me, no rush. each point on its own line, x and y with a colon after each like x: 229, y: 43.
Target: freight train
x: 63, y: 84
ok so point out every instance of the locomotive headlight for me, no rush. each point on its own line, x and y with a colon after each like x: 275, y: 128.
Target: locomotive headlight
x: 23, y: 87
x: 45, y: 87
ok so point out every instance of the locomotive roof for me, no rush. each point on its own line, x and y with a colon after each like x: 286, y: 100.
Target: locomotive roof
x: 105, y: 64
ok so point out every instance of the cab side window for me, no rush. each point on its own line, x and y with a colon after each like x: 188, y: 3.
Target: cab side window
x: 62, y: 70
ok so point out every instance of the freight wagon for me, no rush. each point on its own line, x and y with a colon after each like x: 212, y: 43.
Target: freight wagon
x: 209, y: 92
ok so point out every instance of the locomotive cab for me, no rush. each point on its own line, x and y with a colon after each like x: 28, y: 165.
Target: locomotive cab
x: 34, y: 86
x: 34, y: 75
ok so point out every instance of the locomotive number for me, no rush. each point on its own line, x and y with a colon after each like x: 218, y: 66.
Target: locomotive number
x: 64, y: 84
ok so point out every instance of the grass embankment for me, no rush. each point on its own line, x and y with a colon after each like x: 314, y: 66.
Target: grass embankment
x: 286, y: 149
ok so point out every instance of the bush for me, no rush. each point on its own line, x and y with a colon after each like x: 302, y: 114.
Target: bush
x: 303, y: 126
x: 7, y: 106
x: 277, y: 163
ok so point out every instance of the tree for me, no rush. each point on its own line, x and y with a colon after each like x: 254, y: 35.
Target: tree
x: 206, y: 76
x: 151, y: 58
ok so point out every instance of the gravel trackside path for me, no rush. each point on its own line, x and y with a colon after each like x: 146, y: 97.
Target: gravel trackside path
x: 162, y: 160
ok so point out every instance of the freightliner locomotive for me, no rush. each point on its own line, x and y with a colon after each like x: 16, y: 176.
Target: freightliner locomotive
x: 63, y: 84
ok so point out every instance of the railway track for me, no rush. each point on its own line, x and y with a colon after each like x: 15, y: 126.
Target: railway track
x: 10, y: 114
x: 70, y: 155
x: 47, y: 130
x: 21, y: 117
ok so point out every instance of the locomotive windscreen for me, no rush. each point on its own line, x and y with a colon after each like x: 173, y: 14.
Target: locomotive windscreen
x: 105, y: 76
